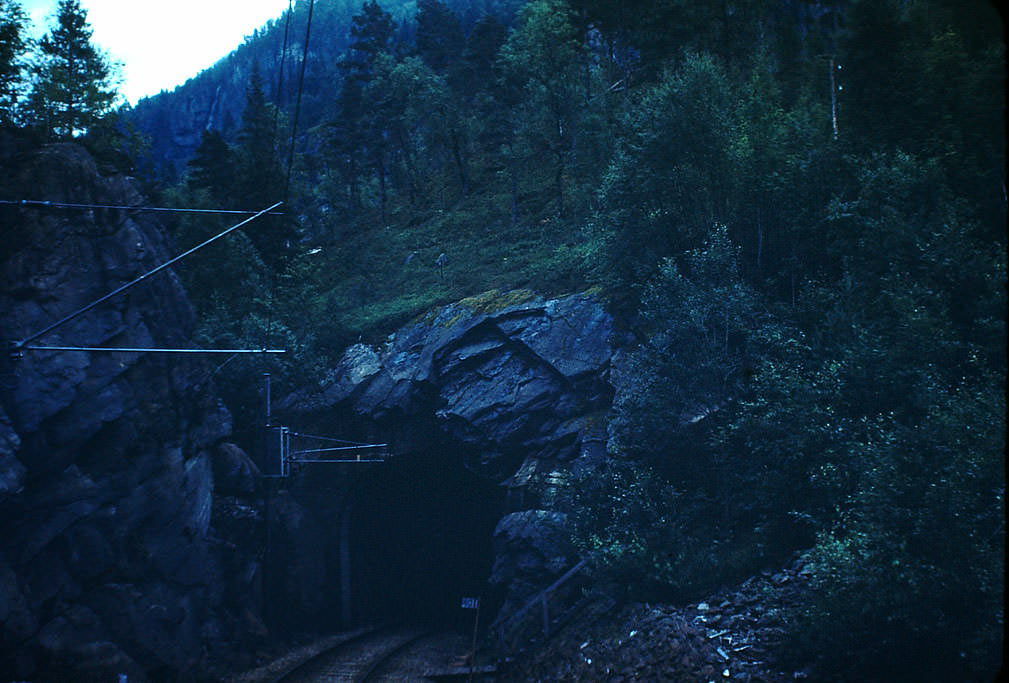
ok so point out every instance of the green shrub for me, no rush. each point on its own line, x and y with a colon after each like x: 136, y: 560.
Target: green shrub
x: 909, y: 584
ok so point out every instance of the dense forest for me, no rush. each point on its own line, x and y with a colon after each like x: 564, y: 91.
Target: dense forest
x: 796, y: 208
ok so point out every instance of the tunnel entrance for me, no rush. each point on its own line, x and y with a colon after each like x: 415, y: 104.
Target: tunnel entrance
x: 421, y: 538
x: 397, y: 541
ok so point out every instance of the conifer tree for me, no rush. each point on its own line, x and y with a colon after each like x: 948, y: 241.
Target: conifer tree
x: 260, y: 174
x: 440, y: 40
x: 358, y: 131
x: 13, y: 45
x: 212, y: 168
x: 372, y: 33
x: 260, y: 181
x: 481, y: 53
x: 74, y: 80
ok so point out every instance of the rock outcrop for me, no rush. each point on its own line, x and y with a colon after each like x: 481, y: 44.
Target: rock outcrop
x: 109, y: 561
x: 175, y: 121
x: 518, y: 384
x: 510, y: 383
x: 134, y: 530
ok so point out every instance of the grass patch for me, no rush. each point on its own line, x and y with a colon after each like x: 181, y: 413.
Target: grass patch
x: 496, y: 300
x: 379, y: 277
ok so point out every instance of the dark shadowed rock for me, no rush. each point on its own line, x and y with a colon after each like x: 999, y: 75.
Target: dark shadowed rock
x: 11, y: 470
x: 234, y: 471
x: 517, y: 384
x: 71, y: 639
x: 106, y: 472
x: 532, y: 549
x: 299, y: 570
x: 506, y: 383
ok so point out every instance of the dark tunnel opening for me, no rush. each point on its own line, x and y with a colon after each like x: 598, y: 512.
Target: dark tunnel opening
x: 404, y: 540
x: 421, y: 539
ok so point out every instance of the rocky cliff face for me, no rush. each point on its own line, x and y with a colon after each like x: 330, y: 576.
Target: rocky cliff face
x: 512, y: 384
x: 521, y: 388
x: 134, y: 532
x: 175, y: 121
x: 110, y: 561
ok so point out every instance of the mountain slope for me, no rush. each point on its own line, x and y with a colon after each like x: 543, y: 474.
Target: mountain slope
x: 214, y: 99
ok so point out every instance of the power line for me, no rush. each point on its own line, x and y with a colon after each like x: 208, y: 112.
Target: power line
x: 165, y: 209
x: 276, y: 114
x: 297, y: 103
x: 18, y: 345
x: 280, y: 76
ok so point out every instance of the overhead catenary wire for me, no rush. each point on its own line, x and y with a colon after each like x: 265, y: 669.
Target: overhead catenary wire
x: 313, y: 461
x: 221, y: 366
x: 21, y: 344
x: 164, y: 209
x: 340, y: 448
x: 336, y: 461
x: 329, y: 438
x: 127, y: 349
x: 348, y: 452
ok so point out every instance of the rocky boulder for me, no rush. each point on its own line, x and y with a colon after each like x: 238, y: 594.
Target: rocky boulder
x: 507, y: 376
x: 531, y: 548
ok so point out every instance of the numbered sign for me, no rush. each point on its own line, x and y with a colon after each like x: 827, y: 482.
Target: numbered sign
x: 471, y: 603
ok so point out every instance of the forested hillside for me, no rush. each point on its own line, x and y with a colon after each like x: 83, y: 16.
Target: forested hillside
x: 214, y: 99
x: 796, y: 208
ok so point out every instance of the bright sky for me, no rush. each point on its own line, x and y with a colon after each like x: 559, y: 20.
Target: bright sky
x: 162, y: 43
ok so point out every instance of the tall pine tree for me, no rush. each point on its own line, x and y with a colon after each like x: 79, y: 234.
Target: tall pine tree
x: 260, y: 181
x: 13, y: 45
x: 358, y: 132
x: 74, y: 80
x: 440, y: 39
x: 212, y: 168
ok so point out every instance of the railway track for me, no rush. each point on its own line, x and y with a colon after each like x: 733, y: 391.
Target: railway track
x: 431, y: 652
x: 389, y: 654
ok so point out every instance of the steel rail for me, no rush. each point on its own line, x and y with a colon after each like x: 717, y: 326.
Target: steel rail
x: 333, y: 461
x: 291, y: 673
x: 371, y: 669
x: 341, y: 653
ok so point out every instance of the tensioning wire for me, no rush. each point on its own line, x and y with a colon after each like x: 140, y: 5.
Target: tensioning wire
x: 165, y: 209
